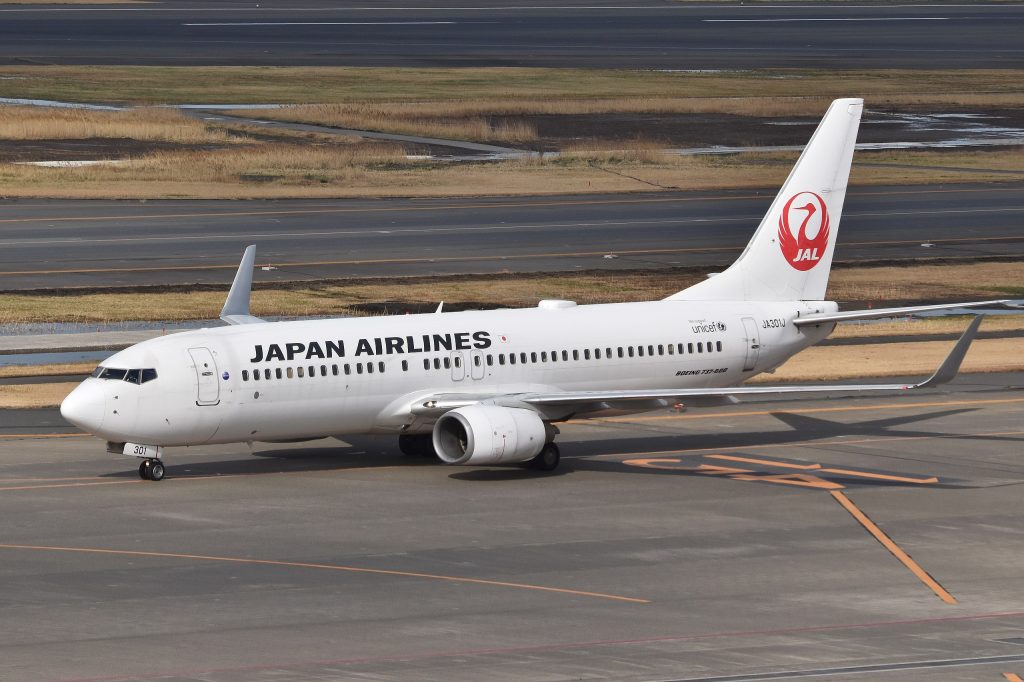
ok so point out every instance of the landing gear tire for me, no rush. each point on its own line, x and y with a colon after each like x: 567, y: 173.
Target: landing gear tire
x: 151, y: 470
x: 417, y: 445
x: 547, y: 460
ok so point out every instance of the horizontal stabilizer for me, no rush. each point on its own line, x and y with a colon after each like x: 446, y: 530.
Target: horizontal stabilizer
x: 878, y: 313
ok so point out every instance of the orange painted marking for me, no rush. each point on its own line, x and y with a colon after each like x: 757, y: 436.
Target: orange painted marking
x: 64, y: 485
x: 800, y: 480
x: 715, y: 470
x: 17, y: 436
x: 893, y: 548
x: 1012, y: 677
x: 769, y: 462
x: 882, y: 477
x: 329, y: 567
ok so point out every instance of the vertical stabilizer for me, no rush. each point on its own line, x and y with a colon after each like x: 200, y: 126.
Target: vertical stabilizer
x: 790, y: 254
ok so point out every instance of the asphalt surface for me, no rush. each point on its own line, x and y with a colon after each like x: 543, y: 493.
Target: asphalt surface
x: 635, y: 35
x: 720, y: 542
x: 52, y: 244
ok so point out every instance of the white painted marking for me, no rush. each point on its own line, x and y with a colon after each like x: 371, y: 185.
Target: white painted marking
x: 780, y: 21
x: 326, y: 23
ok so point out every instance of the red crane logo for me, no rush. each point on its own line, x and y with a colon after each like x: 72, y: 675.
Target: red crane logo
x: 802, y: 251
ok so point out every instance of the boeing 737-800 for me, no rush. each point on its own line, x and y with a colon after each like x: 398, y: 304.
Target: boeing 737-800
x: 488, y: 387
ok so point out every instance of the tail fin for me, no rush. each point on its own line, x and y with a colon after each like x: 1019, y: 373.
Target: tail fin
x: 790, y: 254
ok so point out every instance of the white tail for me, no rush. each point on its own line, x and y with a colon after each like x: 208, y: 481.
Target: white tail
x: 790, y: 254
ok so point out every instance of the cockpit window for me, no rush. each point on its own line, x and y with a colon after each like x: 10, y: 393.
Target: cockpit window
x: 132, y: 376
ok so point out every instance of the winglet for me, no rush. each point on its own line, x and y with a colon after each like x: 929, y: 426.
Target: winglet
x: 951, y: 365
x: 236, y: 307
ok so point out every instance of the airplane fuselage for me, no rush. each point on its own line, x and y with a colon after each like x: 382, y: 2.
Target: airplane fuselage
x: 309, y: 379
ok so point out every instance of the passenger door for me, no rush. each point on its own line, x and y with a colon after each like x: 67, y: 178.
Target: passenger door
x: 208, y: 383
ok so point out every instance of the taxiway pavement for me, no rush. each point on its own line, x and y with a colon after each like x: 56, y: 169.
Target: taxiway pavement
x: 653, y: 34
x: 53, y: 244
x: 740, y: 542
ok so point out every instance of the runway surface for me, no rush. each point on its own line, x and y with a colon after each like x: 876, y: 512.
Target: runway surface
x: 875, y: 537
x: 652, y: 34
x: 46, y: 244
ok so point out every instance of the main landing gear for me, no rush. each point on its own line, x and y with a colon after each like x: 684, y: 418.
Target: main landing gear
x: 151, y: 470
x: 547, y: 459
x: 417, y: 445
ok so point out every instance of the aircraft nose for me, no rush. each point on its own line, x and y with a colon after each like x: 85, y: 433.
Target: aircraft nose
x: 84, y: 407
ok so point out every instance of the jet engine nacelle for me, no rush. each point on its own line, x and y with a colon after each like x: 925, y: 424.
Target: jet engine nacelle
x: 488, y: 434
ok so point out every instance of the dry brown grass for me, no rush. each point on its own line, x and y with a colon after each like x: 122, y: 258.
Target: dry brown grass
x: 830, y: 363
x: 859, y: 285
x: 282, y: 171
x: 409, y: 119
x: 153, y: 84
x: 164, y: 125
x: 27, y: 396
x: 61, y: 369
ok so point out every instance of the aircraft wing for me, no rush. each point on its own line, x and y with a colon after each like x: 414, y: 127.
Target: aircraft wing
x: 578, y: 402
x: 847, y: 315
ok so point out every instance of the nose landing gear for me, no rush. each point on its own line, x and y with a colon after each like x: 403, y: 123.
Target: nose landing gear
x: 151, y: 470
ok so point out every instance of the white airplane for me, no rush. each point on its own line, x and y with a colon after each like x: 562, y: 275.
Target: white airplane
x: 488, y: 387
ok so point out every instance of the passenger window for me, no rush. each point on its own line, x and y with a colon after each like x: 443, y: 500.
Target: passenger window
x: 575, y: 355
x: 700, y: 346
x: 565, y: 356
x: 334, y: 370
x: 458, y: 361
x: 299, y: 370
x: 554, y: 356
x: 661, y: 349
x: 312, y: 371
x: 597, y: 353
x: 437, y: 363
x: 586, y: 353
x: 511, y: 358
x: 533, y: 358
x: 543, y: 356
x: 650, y: 350
x: 501, y: 358
x: 426, y: 363
x: 522, y: 358
x: 447, y: 363
x: 476, y: 360
x: 490, y: 360
x: 359, y: 368
x: 289, y: 372
x: 689, y: 348
x: 405, y: 365
x: 629, y: 349
x: 620, y: 351
x: 380, y: 366
x: 718, y: 346
x: 278, y: 370
x: 255, y: 375
x: 323, y: 370
x: 679, y: 347
x: 369, y: 368
x: 671, y: 349
x: 132, y: 376
x: 245, y: 375
x: 640, y: 351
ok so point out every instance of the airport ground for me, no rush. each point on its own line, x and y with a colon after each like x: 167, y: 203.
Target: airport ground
x: 855, y: 539
x: 863, y: 539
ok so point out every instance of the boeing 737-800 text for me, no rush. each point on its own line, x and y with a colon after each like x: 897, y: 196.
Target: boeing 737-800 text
x: 488, y: 387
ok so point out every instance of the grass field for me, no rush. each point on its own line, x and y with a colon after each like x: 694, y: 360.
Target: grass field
x: 369, y: 85
x: 859, y: 286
